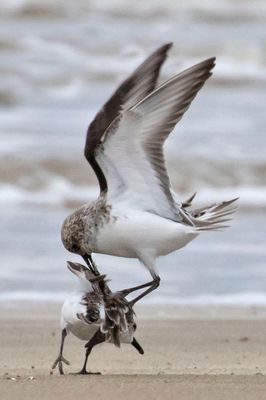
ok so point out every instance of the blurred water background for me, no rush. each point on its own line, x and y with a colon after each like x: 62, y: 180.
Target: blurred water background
x: 59, y: 62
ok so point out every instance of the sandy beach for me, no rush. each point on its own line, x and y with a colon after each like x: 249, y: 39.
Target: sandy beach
x: 215, y: 353
x: 60, y: 62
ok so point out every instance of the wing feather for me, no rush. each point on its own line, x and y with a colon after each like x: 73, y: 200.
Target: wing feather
x: 139, y: 84
x: 132, y: 149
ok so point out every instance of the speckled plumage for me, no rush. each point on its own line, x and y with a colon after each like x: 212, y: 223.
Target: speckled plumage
x: 95, y: 306
x: 95, y: 314
x: 79, y: 230
x: 93, y: 302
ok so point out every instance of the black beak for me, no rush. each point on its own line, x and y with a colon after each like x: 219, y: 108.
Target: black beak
x: 91, y: 265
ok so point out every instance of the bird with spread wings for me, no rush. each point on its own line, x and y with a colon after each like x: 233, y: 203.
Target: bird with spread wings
x: 137, y: 214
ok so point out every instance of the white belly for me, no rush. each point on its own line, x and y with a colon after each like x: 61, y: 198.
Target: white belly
x: 69, y: 320
x: 138, y: 232
x: 83, y: 331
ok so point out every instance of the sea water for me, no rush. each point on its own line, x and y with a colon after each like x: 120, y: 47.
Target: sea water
x: 59, y: 62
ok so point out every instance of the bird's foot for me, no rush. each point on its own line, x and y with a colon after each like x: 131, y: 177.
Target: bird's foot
x: 85, y: 372
x: 59, y: 361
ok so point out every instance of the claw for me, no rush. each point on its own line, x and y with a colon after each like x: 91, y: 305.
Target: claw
x: 59, y: 361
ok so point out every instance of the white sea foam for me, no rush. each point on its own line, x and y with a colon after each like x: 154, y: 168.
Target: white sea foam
x: 57, y: 193
x: 254, y: 197
x: 60, y: 192
x: 63, y: 67
x: 157, y: 8
x: 227, y: 299
x: 32, y: 296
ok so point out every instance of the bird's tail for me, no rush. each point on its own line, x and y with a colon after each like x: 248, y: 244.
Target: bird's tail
x: 116, y: 310
x: 115, y: 322
x: 212, y: 217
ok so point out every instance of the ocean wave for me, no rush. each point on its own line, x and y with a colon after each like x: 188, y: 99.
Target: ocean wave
x: 187, y: 169
x: 242, y: 299
x: 47, y: 54
x: 33, y: 296
x: 31, y: 8
x: 60, y: 192
x: 77, y: 72
x: 75, y: 75
x: 209, y: 10
x: 249, y: 196
x: 226, y: 299
x: 65, y: 182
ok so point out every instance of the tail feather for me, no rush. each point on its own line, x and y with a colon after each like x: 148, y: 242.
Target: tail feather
x: 187, y: 203
x: 214, y: 208
x: 116, y: 308
x: 115, y: 322
x: 214, y: 216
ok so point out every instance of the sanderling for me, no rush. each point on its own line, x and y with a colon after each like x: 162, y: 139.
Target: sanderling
x: 137, y: 214
x: 96, y: 314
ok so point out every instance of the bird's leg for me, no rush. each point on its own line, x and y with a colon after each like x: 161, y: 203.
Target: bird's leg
x: 137, y: 346
x: 91, y: 264
x: 60, y: 359
x: 98, y: 338
x: 153, y: 286
x: 126, y: 292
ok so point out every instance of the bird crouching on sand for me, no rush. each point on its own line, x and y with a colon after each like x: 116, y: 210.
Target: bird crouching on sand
x: 137, y: 214
x: 96, y: 314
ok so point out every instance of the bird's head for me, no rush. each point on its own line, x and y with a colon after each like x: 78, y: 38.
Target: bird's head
x: 72, y: 235
x: 80, y: 271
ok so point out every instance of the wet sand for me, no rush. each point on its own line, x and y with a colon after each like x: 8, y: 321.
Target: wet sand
x: 189, y: 353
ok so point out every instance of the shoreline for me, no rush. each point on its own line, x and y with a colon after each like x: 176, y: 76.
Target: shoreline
x: 51, y: 310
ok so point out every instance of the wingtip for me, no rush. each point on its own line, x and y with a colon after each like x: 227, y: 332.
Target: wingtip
x: 169, y: 45
x: 164, y: 48
x: 210, y: 62
x: 213, y: 61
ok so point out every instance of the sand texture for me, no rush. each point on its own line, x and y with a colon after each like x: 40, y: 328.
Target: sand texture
x: 189, y: 354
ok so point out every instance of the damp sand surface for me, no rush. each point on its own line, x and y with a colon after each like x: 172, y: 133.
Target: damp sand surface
x: 213, y: 353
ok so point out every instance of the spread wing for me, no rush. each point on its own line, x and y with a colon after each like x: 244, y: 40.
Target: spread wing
x: 136, y: 87
x: 131, y: 151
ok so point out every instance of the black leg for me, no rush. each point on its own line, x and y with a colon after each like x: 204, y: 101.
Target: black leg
x: 60, y: 359
x: 137, y: 346
x: 98, y: 338
x: 126, y: 292
x: 154, y: 285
